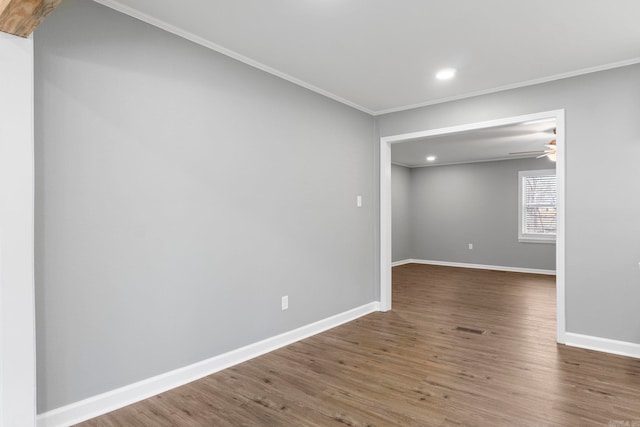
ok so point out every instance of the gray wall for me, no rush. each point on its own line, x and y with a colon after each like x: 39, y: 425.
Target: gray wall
x: 400, y: 213
x: 602, y: 183
x: 180, y: 194
x: 476, y: 203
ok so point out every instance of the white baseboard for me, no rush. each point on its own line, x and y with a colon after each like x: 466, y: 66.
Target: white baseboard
x: 606, y: 345
x: 478, y: 266
x: 402, y: 262
x: 115, y: 399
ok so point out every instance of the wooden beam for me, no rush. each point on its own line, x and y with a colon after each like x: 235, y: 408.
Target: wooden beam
x: 21, y: 17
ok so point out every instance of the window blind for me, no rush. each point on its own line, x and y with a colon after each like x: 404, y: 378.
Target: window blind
x: 539, y: 205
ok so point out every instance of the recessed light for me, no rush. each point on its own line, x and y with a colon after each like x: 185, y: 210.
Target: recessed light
x: 431, y: 158
x: 446, y: 74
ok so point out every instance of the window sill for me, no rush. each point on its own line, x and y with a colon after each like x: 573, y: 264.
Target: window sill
x: 536, y: 240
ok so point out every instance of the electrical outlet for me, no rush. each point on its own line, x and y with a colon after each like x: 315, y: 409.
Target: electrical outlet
x: 285, y: 302
x: 470, y: 246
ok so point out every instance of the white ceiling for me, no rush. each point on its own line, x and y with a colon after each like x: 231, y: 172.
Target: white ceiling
x: 381, y: 55
x: 479, y: 145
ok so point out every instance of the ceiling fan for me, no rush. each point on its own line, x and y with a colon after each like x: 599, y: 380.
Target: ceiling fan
x: 550, y: 152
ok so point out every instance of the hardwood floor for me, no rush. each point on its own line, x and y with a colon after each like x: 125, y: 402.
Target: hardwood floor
x: 413, y: 367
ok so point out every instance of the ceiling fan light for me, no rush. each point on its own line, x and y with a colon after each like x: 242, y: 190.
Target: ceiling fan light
x: 551, y: 152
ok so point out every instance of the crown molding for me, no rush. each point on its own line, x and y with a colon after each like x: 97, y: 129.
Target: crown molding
x: 134, y: 13
x: 512, y: 86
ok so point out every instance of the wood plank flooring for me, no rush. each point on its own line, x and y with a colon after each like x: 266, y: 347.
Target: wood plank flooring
x: 412, y: 367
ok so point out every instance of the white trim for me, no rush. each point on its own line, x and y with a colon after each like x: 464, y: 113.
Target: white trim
x: 561, y: 76
x: 550, y: 241
x: 605, y: 345
x: 481, y: 266
x: 385, y: 225
x: 402, y: 262
x: 115, y: 399
x: 134, y: 13
x: 17, y: 307
x: 412, y: 136
x: 561, y: 322
x: 385, y: 201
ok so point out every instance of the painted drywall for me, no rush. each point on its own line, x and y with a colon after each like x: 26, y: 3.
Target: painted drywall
x: 477, y: 203
x: 179, y: 195
x: 17, y: 328
x: 602, y: 148
x: 400, y: 212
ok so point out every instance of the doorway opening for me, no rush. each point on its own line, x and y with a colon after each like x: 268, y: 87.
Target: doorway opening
x: 385, y: 200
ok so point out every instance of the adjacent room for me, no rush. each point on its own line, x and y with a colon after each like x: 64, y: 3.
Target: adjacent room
x: 484, y: 199
x: 319, y: 213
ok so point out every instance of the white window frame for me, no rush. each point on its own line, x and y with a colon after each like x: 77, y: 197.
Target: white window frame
x: 531, y: 237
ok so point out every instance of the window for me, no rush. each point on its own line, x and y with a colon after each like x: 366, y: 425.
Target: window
x: 537, y: 206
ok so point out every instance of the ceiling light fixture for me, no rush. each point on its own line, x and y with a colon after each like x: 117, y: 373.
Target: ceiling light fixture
x: 446, y: 74
x: 550, y: 152
x: 431, y: 158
